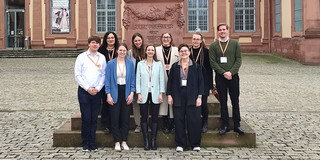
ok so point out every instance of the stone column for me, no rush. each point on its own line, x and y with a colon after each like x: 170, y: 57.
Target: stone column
x: 310, y: 46
x: 82, y: 41
x: 151, y: 18
x: 36, y: 37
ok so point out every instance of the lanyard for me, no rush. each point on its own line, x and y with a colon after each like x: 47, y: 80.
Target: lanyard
x: 124, y: 65
x: 110, y: 57
x: 185, y: 69
x: 225, y: 48
x: 95, y: 63
x: 198, y: 54
x: 167, y: 57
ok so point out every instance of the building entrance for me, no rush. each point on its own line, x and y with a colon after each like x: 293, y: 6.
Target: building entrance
x: 15, y: 24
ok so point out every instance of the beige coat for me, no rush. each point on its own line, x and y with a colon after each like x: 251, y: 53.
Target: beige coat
x: 174, y: 57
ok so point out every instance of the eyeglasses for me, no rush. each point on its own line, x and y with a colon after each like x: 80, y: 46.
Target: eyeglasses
x: 183, y: 51
x: 166, y: 37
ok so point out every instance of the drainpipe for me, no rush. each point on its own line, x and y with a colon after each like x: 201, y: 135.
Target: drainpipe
x: 269, y: 27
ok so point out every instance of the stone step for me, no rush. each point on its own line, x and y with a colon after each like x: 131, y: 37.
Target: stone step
x: 65, y: 137
x: 41, y: 53
x: 214, y: 122
x: 213, y: 119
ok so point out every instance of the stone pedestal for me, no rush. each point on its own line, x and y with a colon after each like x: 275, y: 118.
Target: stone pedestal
x: 151, y: 18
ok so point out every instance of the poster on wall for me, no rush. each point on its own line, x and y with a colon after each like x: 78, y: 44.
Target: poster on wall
x: 60, y: 16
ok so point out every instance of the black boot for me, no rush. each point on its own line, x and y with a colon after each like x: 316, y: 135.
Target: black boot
x: 172, y: 127
x: 204, y: 126
x: 154, y: 130
x: 144, y: 130
x: 165, y: 124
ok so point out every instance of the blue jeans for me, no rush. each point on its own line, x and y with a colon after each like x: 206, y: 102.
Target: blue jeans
x: 89, y: 108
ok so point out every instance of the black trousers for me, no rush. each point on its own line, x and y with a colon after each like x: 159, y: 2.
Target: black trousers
x: 154, y: 110
x: 120, y: 115
x: 89, y: 108
x: 223, y: 87
x: 105, y: 110
x: 193, y: 116
x: 204, y: 108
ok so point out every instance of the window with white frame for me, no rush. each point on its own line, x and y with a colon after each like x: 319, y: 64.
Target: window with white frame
x: 106, y: 16
x: 244, y: 15
x: 277, y: 16
x: 298, y: 15
x: 198, y: 16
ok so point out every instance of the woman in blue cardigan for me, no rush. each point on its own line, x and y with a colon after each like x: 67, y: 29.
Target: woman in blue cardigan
x: 120, y: 88
x: 150, y: 87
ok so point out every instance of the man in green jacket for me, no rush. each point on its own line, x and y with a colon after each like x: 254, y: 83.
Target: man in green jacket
x: 225, y: 59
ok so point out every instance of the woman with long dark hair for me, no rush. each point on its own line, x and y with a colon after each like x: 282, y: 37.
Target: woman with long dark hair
x: 108, y: 48
x: 136, y: 54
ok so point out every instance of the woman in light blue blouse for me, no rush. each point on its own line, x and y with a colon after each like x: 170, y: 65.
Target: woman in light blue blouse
x: 150, y: 87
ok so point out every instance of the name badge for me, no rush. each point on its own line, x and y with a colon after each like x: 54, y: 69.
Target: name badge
x: 122, y: 81
x: 184, y: 82
x: 223, y: 59
x: 167, y: 66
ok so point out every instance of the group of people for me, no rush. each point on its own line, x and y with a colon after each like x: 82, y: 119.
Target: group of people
x: 173, y: 82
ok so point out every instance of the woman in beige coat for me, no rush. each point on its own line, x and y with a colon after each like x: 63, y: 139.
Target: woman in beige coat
x: 167, y: 54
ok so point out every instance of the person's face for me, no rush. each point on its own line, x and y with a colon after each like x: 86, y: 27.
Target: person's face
x: 196, y: 40
x: 137, y: 41
x: 166, y: 39
x: 223, y: 31
x: 184, y: 53
x: 150, y: 52
x: 94, y: 46
x: 110, y: 39
x: 122, y: 51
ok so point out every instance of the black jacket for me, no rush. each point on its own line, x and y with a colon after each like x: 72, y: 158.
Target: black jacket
x: 207, y: 71
x: 194, y: 84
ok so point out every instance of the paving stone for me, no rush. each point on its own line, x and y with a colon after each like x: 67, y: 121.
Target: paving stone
x: 279, y: 100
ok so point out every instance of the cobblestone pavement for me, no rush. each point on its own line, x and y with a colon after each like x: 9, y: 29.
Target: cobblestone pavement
x: 279, y: 99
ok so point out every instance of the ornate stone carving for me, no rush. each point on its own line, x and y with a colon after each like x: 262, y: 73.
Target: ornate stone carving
x: 153, y: 14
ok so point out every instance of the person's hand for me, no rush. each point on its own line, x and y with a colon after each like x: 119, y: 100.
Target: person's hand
x: 139, y: 97
x: 228, y: 75
x: 160, y: 98
x: 92, y: 91
x: 110, y: 99
x: 130, y: 98
x: 199, y: 102
x: 170, y: 100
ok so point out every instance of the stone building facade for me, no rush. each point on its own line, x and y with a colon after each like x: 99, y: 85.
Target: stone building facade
x: 290, y: 28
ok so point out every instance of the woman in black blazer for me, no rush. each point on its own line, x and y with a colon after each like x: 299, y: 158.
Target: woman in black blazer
x: 185, y: 90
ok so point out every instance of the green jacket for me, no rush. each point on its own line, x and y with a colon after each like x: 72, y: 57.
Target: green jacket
x: 233, y: 54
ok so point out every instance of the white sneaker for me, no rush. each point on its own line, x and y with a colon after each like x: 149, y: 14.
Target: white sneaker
x: 125, y: 146
x: 138, y: 129
x: 196, y: 149
x: 179, y: 149
x: 117, y: 147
